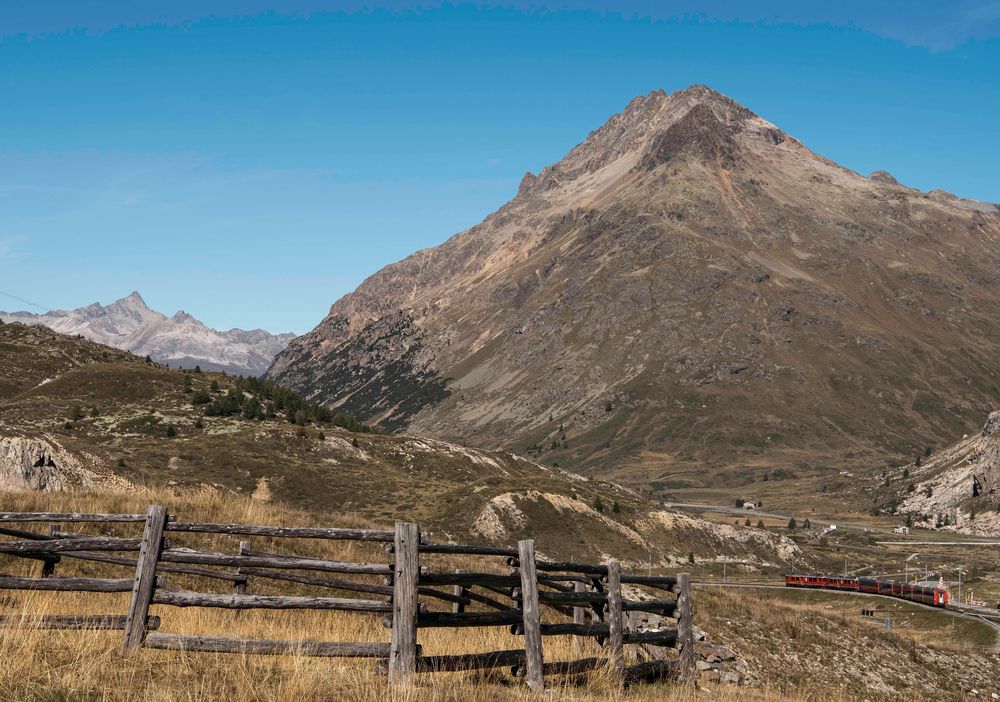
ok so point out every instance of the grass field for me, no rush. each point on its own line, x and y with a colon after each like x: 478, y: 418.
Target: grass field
x: 784, y: 638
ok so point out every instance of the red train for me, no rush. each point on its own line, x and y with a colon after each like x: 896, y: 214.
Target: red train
x: 933, y: 596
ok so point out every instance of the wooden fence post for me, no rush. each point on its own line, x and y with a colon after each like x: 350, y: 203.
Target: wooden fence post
x: 458, y: 591
x: 240, y: 586
x: 49, y: 564
x: 403, y: 650
x: 145, y: 578
x: 579, y: 617
x: 531, y: 615
x: 685, y: 630
x: 616, y: 654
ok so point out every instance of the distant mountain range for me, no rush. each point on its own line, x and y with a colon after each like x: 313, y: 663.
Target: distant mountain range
x: 688, y: 291
x: 180, y: 341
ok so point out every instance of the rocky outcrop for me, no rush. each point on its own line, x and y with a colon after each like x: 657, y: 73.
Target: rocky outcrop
x: 959, y: 488
x: 39, y: 464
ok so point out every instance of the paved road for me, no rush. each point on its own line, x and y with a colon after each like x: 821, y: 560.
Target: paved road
x: 755, y: 512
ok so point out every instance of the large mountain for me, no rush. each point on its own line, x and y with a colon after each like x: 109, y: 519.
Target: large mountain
x: 690, y: 288
x: 181, y: 340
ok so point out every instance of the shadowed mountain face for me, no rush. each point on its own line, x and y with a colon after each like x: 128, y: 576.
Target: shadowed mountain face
x: 179, y: 341
x: 690, y: 286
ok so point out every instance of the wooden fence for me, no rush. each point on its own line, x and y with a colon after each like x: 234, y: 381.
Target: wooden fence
x: 591, y: 602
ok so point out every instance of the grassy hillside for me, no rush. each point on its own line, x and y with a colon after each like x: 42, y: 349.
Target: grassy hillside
x: 107, y: 420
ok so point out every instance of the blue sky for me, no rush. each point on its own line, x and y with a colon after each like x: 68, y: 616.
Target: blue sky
x: 250, y: 162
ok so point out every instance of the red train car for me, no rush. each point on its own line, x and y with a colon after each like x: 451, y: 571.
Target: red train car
x: 934, y: 596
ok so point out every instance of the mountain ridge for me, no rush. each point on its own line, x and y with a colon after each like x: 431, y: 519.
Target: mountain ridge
x: 180, y: 340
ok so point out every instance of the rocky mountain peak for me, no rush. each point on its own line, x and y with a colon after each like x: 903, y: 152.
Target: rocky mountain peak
x: 136, y: 299
x: 641, y: 126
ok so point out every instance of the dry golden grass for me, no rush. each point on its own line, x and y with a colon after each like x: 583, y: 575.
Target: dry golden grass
x: 46, y: 666
x: 86, y: 665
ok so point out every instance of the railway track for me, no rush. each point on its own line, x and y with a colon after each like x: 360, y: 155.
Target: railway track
x: 952, y: 610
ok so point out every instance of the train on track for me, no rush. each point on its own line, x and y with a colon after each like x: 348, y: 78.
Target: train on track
x: 933, y: 596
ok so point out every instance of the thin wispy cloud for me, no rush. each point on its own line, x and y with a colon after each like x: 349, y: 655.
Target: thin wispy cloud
x: 929, y: 23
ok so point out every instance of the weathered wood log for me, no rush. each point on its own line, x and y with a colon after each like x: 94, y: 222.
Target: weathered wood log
x: 470, y: 661
x: 160, y: 567
x: 145, y: 578
x: 651, y: 671
x: 576, y: 667
x: 22, y: 534
x: 531, y: 617
x: 685, y: 631
x: 464, y: 549
x: 72, y: 621
x: 569, y: 566
x: 69, y: 517
x: 469, y: 579
x: 67, y: 584
x: 554, y: 584
x: 616, y: 652
x: 581, y: 598
x: 466, y: 619
x: 330, y: 583
x: 405, y: 603
x: 215, y: 644
x: 663, y: 637
x: 262, y: 559
x: 661, y: 582
x: 183, y: 598
x: 486, y: 600
x: 592, y: 629
x: 664, y: 607
x: 96, y: 543
x: 284, y: 532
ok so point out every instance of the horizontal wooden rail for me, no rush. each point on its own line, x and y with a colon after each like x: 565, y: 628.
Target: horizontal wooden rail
x: 664, y: 637
x: 67, y: 584
x: 216, y: 644
x: 22, y: 534
x: 72, y: 621
x: 346, y: 585
x: 470, y: 661
x: 468, y: 550
x: 330, y: 583
x: 572, y: 598
x: 465, y: 619
x: 69, y: 517
x: 284, y: 532
x: 664, y: 607
x: 484, y: 599
x: 469, y: 579
x: 97, y: 543
x: 160, y: 567
x: 269, y: 560
x: 183, y: 598
x: 658, y: 581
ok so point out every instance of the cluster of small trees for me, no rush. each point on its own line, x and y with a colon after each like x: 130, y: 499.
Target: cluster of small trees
x: 256, y: 399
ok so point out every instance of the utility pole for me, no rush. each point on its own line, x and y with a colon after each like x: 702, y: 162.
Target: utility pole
x: 724, y: 559
x: 845, y: 567
x: 960, y: 586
